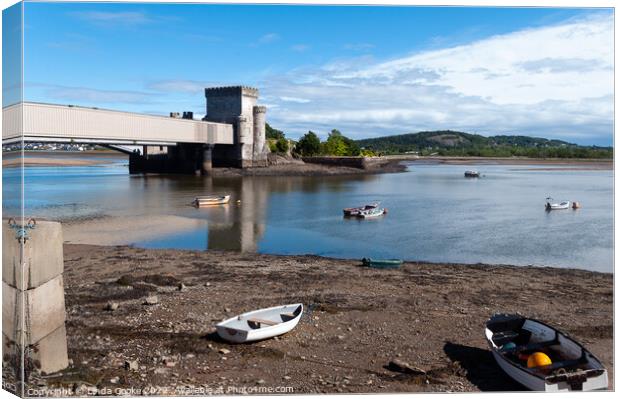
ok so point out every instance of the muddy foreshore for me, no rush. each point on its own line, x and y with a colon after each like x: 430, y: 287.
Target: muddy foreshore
x: 356, y: 321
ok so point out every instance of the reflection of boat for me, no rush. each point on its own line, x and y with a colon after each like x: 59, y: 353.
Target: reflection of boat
x: 472, y: 173
x: 211, y: 200
x: 382, y: 263
x: 556, y: 205
x: 356, y: 211
x: 514, y: 339
x: 260, y: 324
x: 372, y: 213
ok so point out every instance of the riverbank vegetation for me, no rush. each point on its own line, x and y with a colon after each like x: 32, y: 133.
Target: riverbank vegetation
x: 310, y: 144
x: 452, y: 143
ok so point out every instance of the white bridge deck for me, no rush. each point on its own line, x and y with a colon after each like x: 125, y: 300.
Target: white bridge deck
x: 66, y: 123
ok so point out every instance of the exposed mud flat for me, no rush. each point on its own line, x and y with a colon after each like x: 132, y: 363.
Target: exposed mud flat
x: 357, y: 321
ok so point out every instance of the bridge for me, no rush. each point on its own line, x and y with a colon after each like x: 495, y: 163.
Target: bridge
x: 231, y: 134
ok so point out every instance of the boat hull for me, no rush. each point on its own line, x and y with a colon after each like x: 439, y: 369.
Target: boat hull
x: 237, y: 329
x: 382, y: 263
x: 591, y: 374
x: 209, y: 201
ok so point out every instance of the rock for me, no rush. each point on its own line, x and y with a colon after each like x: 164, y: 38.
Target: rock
x: 224, y: 351
x: 181, y: 287
x: 111, y: 306
x: 341, y: 337
x: 151, y: 300
x: 404, y: 367
x: 115, y: 380
x: 190, y: 356
x: 161, y: 370
x: 260, y: 382
x: 287, y: 377
x: 131, y: 365
x: 227, y: 310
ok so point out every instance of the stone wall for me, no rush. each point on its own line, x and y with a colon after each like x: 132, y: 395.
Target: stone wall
x: 351, y: 162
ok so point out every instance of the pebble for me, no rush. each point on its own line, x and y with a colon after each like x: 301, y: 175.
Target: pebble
x: 224, y: 351
x: 115, y: 380
x: 287, y: 377
x: 151, y: 300
x: 111, y: 306
x: 260, y: 382
x: 131, y: 365
x: 181, y: 287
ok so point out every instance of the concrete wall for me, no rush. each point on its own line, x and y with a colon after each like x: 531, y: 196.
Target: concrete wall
x: 351, y: 162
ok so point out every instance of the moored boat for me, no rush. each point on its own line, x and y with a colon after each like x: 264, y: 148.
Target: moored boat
x: 542, y: 358
x: 260, y: 324
x: 372, y: 213
x: 356, y: 210
x: 382, y: 263
x: 472, y: 173
x: 550, y: 205
x: 211, y: 200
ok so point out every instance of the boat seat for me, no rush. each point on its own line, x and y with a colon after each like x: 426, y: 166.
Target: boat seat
x: 262, y: 321
x: 531, y: 347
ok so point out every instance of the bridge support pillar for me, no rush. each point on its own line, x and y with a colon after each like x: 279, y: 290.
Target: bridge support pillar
x: 207, y: 159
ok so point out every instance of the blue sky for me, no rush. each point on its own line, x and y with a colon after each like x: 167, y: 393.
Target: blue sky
x: 368, y: 71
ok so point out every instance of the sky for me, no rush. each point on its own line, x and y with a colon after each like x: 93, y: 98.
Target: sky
x: 367, y: 71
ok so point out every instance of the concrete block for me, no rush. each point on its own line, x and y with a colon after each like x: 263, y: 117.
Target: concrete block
x: 50, y: 353
x: 44, y: 310
x: 43, y: 255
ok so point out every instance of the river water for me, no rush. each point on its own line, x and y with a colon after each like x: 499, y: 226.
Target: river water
x: 434, y: 213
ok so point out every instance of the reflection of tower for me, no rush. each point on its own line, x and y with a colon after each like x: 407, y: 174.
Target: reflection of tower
x: 242, y: 227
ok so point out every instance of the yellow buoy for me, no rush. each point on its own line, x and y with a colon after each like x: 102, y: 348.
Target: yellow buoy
x: 538, y: 359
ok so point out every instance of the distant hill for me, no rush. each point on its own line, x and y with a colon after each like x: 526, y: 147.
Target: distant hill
x: 448, y: 142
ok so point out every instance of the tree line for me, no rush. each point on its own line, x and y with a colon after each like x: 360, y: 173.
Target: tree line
x: 310, y: 144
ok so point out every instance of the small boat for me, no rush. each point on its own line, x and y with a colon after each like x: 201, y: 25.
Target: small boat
x: 356, y: 211
x: 211, y: 200
x: 372, y: 213
x: 472, y: 173
x: 382, y: 263
x: 260, y: 324
x: 516, y: 341
x: 550, y: 205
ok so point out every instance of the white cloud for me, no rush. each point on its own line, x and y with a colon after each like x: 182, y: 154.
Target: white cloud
x: 113, y: 18
x: 295, y: 100
x: 268, y: 38
x: 300, y: 47
x: 554, y: 81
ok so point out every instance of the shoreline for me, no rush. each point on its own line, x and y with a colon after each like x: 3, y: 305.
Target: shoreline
x: 296, y: 167
x: 356, y: 321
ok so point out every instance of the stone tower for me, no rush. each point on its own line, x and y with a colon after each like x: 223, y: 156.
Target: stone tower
x: 237, y: 105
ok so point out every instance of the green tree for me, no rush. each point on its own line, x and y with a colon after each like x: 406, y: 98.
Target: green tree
x: 272, y: 133
x: 308, y: 145
x: 282, y: 145
x: 335, y: 144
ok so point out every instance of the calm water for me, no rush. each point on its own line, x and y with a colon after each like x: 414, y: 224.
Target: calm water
x: 434, y: 213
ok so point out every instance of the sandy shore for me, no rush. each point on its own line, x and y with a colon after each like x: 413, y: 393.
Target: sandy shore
x: 44, y: 161
x: 357, y: 320
x: 117, y: 230
x: 546, y: 163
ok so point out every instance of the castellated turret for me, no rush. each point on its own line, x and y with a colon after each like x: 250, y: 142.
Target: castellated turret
x: 237, y: 105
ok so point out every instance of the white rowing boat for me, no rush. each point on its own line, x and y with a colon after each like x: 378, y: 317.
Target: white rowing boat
x: 551, y: 206
x: 260, y: 324
x: 211, y: 200
x: 514, y: 338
